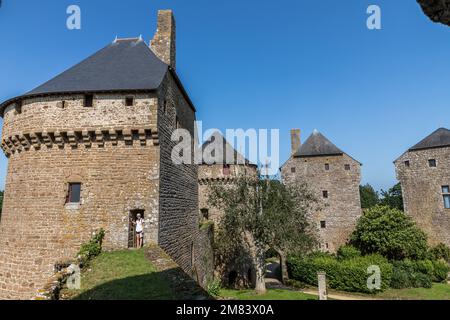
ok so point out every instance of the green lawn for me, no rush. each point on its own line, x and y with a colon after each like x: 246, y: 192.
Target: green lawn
x: 121, y: 275
x: 440, y: 291
x: 272, y: 294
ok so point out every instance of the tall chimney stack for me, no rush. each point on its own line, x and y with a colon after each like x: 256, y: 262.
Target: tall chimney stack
x: 295, y: 141
x: 163, y: 43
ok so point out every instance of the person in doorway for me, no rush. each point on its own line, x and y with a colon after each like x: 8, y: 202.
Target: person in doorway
x: 139, y: 223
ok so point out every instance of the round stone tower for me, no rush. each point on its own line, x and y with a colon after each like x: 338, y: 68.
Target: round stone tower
x: 90, y: 149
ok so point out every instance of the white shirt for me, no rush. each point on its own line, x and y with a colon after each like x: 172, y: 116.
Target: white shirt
x: 139, y: 225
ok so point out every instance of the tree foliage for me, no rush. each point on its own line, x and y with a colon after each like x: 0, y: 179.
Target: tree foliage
x: 369, y: 197
x: 258, y: 215
x: 393, y: 197
x: 391, y: 233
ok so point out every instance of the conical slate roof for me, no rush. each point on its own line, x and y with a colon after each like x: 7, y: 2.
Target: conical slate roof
x: 439, y: 138
x: 127, y: 64
x: 317, y: 145
x: 218, y: 142
x: 124, y: 65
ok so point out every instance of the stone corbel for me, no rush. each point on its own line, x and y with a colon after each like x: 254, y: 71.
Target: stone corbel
x: 86, y: 138
x: 47, y: 139
x: 72, y: 139
x: 99, y: 139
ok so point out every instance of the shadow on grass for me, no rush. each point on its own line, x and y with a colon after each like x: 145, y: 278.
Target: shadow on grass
x: 172, y: 284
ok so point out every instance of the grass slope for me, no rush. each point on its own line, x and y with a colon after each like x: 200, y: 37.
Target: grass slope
x: 121, y: 275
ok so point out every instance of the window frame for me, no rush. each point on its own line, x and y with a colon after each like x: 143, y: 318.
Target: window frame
x: 293, y: 169
x: 325, y: 194
x: 446, y: 196
x: 327, y: 167
x: 347, y: 167
x: 88, y: 98
x: 70, y: 192
x: 432, y: 163
x: 127, y: 100
x: 407, y: 163
x: 323, y: 224
x: 226, y: 170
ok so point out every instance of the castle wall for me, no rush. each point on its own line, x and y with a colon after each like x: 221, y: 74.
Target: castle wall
x: 112, y: 152
x: 342, y: 208
x: 178, y: 228
x: 214, y: 173
x: 422, y: 191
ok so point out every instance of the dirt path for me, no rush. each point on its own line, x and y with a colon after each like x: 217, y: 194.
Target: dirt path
x: 272, y: 283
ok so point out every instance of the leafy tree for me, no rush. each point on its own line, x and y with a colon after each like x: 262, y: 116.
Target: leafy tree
x: 369, y: 197
x: 389, y: 232
x: 393, y: 197
x: 258, y: 215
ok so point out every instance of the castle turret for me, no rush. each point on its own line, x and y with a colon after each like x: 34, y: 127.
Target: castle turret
x: 91, y: 149
x: 424, y: 173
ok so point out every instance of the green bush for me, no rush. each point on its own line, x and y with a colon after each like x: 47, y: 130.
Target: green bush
x: 440, y: 271
x: 347, y: 275
x: 390, y: 233
x: 441, y: 251
x: 92, y: 248
x: 348, y: 252
x: 412, y: 274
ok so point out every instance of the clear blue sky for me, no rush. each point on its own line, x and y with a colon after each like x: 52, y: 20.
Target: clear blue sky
x: 264, y: 64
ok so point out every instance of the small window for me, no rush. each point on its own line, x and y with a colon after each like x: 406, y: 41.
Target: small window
x: 327, y: 166
x: 327, y: 246
x: 226, y: 169
x: 74, y: 193
x: 292, y: 170
x: 164, y: 106
x: 19, y: 107
x: 129, y: 101
x: 347, y: 167
x: 432, y: 163
x: 325, y: 194
x: 446, y: 195
x: 323, y: 224
x: 88, y: 100
x: 407, y: 164
x: 205, y: 213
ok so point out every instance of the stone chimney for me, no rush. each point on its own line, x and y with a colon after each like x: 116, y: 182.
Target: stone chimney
x: 163, y: 43
x: 295, y: 141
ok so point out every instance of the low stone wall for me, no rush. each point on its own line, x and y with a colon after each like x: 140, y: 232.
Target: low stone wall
x: 56, y: 282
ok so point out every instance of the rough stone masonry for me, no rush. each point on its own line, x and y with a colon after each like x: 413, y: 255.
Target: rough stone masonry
x: 424, y: 173
x: 105, y: 124
x: 334, y: 177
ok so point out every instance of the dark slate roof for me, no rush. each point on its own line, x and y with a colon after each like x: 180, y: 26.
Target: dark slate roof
x: 127, y: 64
x: 317, y: 145
x: 438, y: 139
x: 124, y: 65
x: 226, y: 150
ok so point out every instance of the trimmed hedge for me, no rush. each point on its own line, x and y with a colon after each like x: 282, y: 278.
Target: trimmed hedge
x: 348, y: 252
x: 347, y: 275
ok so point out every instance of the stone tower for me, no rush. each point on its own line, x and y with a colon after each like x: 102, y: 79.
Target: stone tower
x: 334, y: 177
x: 424, y: 173
x: 90, y: 149
x: 222, y: 164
